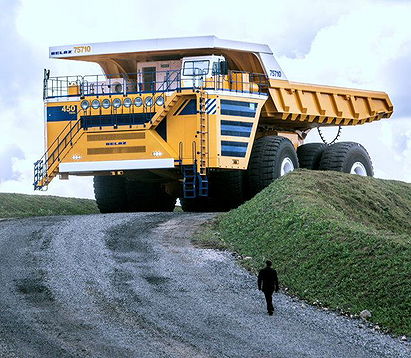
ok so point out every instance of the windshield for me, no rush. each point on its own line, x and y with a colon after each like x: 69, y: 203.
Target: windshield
x: 196, y: 68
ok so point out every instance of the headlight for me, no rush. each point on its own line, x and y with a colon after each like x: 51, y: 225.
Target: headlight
x: 127, y: 102
x: 160, y: 100
x: 106, y: 103
x: 149, y: 101
x: 85, y: 104
x: 95, y: 104
x: 138, y: 102
x: 116, y: 102
x: 157, y: 154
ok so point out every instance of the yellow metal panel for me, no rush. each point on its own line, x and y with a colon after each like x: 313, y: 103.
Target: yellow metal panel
x: 73, y: 89
x: 238, y: 162
x: 181, y: 132
x: 327, y: 105
x: 213, y: 140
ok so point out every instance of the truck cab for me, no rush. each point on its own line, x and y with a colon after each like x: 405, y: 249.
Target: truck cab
x: 197, y: 70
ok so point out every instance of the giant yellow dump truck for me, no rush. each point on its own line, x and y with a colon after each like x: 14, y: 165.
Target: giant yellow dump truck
x: 206, y: 120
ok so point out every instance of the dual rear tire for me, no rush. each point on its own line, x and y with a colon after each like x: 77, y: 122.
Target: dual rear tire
x: 345, y: 157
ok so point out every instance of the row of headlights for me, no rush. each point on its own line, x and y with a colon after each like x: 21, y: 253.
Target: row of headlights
x: 116, y: 103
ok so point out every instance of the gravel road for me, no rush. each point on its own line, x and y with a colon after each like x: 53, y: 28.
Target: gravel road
x: 132, y: 285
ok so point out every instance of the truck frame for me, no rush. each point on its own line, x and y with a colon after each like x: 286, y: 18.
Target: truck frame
x: 209, y: 121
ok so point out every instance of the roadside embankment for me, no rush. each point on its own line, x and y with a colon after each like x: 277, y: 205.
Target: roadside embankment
x: 14, y: 205
x: 337, y: 240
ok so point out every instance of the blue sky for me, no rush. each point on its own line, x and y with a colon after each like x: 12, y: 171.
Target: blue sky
x: 360, y: 44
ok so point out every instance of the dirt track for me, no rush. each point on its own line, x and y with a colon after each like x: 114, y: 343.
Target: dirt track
x: 132, y: 285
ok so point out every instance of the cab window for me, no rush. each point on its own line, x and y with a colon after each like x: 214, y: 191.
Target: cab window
x: 195, y: 68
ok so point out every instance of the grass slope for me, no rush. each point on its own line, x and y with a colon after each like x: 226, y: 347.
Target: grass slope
x: 339, y: 240
x: 21, y: 205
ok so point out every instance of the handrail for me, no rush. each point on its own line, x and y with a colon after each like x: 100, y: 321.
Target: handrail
x: 59, y: 141
x: 134, y: 83
x: 42, y: 166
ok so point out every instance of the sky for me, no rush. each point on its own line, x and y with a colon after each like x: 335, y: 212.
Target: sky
x: 353, y: 43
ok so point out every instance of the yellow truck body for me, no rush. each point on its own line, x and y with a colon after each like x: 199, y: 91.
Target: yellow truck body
x: 168, y: 104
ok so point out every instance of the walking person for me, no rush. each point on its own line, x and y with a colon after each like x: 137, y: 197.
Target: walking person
x: 268, y: 283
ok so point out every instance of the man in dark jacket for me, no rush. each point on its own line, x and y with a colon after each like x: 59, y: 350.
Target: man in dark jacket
x: 268, y: 283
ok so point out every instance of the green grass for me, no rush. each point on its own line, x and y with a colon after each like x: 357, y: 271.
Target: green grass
x: 338, y: 240
x: 21, y: 205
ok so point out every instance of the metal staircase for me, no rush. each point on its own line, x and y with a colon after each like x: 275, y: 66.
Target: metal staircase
x: 46, y: 168
x: 167, y: 107
x: 194, y: 184
x: 190, y: 181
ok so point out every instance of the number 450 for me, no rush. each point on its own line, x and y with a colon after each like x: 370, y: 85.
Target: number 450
x: 69, y: 108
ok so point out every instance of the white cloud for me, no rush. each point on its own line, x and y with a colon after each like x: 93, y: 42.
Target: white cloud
x: 376, y: 55
x: 357, y: 48
x: 363, y: 44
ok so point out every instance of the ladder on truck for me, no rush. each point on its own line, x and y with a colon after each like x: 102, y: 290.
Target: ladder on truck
x: 203, y: 132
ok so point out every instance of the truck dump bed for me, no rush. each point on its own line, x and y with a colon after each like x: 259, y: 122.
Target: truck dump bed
x: 306, y: 105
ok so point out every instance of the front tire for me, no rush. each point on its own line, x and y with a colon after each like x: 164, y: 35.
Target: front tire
x: 110, y: 194
x: 347, y: 157
x: 115, y: 194
x: 271, y: 158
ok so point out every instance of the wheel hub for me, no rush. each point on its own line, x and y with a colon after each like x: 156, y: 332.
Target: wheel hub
x: 286, y: 166
x: 359, y: 169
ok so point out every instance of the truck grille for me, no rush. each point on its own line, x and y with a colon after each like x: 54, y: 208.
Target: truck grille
x: 115, y: 136
x: 115, y: 119
x: 138, y: 149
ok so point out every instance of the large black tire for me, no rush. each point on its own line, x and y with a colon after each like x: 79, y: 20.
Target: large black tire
x: 225, y: 193
x: 110, y: 194
x: 347, y: 157
x: 267, y: 161
x: 309, y: 155
x: 143, y: 196
x: 119, y: 194
x: 226, y: 189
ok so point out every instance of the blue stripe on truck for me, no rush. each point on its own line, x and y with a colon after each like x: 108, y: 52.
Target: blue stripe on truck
x: 238, y: 108
x: 233, y: 149
x: 236, y: 129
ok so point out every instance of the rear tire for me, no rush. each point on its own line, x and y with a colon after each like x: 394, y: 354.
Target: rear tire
x: 309, y: 155
x: 347, y: 157
x: 271, y: 158
x: 110, y: 194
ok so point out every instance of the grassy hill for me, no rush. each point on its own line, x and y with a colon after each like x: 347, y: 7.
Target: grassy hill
x: 21, y: 205
x: 337, y: 240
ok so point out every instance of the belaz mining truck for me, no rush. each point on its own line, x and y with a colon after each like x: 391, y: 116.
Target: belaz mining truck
x: 209, y: 121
